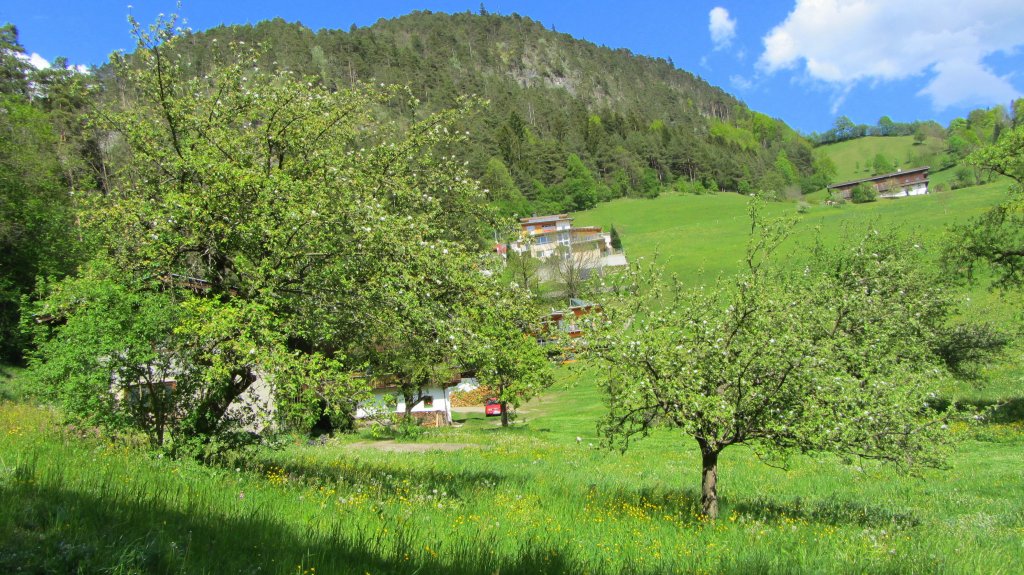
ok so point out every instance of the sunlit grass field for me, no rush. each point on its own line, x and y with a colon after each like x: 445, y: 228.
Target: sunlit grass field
x: 701, y: 237
x: 542, y: 496
x: 526, y: 500
x: 853, y: 158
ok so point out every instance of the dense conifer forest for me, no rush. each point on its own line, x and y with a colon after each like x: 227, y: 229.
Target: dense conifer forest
x: 566, y: 123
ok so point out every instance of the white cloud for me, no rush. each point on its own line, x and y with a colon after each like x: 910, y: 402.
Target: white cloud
x: 844, y: 42
x: 740, y: 83
x: 964, y: 81
x: 38, y: 62
x: 722, y: 28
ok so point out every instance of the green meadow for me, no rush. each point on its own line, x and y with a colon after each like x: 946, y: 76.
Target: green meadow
x: 700, y: 237
x: 853, y: 158
x: 541, y: 496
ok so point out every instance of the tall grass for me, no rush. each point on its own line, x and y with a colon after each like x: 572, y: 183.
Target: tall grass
x: 525, y: 501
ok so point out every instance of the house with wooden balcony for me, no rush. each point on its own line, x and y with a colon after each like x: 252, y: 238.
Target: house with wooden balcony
x: 542, y: 237
x: 892, y: 185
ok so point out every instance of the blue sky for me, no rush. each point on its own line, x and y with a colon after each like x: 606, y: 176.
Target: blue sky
x: 804, y: 61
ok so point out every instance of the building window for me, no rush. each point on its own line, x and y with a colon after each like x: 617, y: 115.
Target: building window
x: 428, y: 401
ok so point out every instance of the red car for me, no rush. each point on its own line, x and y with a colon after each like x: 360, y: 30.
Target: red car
x: 492, y: 407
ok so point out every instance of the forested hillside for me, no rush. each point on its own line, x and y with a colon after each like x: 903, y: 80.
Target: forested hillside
x: 42, y: 157
x: 567, y: 123
x: 561, y: 124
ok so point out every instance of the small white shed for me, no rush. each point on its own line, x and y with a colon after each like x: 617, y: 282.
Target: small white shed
x: 432, y: 407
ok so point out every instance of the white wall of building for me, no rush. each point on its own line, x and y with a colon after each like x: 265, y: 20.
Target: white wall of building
x: 916, y: 189
x: 255, y: 407
x: 441, y: 402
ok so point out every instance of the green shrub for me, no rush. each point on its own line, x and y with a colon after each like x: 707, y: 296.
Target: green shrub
x: 864, y: 193
x: 616, y: 240
x: 964, y: 178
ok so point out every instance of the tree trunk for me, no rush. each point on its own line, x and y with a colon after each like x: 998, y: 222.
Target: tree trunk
x: 709, y: 483
x: 211, y: 410
x: 504, y: 405
x: 410, y: 402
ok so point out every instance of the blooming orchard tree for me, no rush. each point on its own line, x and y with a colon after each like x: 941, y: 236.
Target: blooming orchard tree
x: 996, y: 239
x: 285, y: 230
x: 840, y: 356
x: 507, y: 357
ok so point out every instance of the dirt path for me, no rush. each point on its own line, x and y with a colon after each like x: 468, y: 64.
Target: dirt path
x: 391, y: 445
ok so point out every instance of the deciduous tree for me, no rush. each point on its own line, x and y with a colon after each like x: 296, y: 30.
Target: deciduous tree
x: 996, y: 239
x: 288, y: 228
x: 863, y: 193
x: 35, y: 207
x: 881, y: 164
x: 570, y: 267
x: 506, y: 356
x: 579, y: 188
x: 839, y: 356
x: 523, y: 269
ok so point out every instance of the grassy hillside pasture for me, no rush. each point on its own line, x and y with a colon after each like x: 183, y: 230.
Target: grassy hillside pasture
x: 700, y: 237
x: 853, y: 158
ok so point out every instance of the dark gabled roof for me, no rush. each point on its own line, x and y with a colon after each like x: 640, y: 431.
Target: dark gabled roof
x: 880, y: 177
x: 544, y: 219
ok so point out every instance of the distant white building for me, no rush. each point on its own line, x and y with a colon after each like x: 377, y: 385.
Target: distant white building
x: 433, y: 403
x: 542, y: 236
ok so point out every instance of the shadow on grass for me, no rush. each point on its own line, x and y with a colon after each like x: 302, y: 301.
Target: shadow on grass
x: 47, y: 529
x: 383, y: 476
x: 830, y: 512
x: 11, y: 386
x: 51, y: 529
x: 683, y: 506
x: 1009, y: 410
x: 492, y: 425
